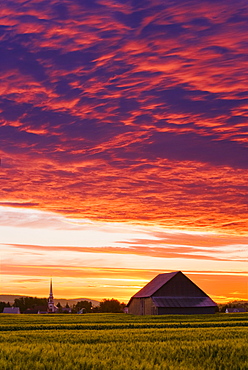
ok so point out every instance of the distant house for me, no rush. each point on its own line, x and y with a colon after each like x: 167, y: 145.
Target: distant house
x: 234, y: 309
x: 31, y: 311
x: 66, y: 310
x: 15, y: 310
x: 36, y: 310
x: 171, y: 293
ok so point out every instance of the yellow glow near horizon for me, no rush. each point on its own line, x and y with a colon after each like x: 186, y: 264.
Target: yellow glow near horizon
x: 101, y: 260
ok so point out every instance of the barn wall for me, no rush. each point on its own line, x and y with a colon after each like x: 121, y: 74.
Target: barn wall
x: 134, y: 306
x: 185, y: 310
x: 179, y: 286
x: 142, y: 306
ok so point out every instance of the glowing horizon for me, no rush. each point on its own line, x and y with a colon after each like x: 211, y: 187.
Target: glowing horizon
x: 123, y: 145
x: 85, y: 265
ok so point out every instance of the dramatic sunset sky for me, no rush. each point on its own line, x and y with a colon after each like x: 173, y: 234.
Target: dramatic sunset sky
x: 123, y: 144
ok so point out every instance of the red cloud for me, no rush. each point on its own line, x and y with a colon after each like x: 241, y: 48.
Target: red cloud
x: 127, y: 112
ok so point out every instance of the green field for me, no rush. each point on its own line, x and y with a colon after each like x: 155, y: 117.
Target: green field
x: 123, y: 342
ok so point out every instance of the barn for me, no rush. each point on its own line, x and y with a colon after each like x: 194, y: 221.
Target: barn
x: 171, y: 293
x: 15, y: 310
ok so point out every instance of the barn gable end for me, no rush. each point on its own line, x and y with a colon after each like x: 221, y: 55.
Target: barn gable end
x: 172, y: 293
x: 179, y: 286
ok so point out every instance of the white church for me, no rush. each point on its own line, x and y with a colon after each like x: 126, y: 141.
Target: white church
x: 51, y: 306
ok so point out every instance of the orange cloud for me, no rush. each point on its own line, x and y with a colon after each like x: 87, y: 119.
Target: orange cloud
x: 157, y: 192
x: 102, y: 283
x: 129, y: 112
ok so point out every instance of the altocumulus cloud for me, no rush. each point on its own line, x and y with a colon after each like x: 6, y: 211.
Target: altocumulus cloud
x: 126, y: 111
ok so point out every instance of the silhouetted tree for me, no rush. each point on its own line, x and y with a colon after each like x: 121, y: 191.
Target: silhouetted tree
x: 234, y: 304
x: 82, y: 304
x: 2, y: 305
x: 223, y: 308
x: 29, y: 302
x: 95, y: 309
x: 111, y: 305
x: 60, y: 309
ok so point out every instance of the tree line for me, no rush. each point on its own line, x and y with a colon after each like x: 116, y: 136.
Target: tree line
x: 31, y: 304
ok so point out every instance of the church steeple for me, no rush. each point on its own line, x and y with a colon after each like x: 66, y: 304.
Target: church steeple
x: 51, y: 307
x: 51, y: 289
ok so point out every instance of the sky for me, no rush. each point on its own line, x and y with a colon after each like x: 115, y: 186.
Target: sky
x: 123, y: 145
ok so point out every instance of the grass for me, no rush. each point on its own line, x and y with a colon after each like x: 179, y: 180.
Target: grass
x: 124, y: 342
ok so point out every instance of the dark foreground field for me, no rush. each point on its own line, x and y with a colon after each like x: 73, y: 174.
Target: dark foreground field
x: 123, y: 342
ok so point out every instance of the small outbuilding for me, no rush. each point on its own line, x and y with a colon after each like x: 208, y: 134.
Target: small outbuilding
x: 15, y: 310
x: 171, y: 293
x: 235, y: 309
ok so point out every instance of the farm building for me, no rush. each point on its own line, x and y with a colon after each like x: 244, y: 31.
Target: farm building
x: 36, y: 310
x: 171, y: 293
x: 14, y: 310
x: 235, y: 309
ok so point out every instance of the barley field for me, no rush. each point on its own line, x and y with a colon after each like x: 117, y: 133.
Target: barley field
x: 123, y: 342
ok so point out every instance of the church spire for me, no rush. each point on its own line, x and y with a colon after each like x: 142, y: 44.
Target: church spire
x: 51, y: 306
x: 51, y: 289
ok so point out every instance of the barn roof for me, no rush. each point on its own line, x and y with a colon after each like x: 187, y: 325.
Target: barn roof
x: 159, y: 281
x: 155, y: 284
x: 183, y: 302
